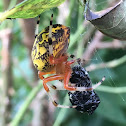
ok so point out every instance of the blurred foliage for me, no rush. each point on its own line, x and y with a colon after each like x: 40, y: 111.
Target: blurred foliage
x: 29, y: 8
x: 112, y: 109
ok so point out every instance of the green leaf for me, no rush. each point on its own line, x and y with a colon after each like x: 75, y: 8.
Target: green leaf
x: 30, y: 9
x: 111, y: 21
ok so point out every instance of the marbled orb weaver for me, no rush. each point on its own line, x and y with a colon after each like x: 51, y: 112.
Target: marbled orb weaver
x: 49, y: 56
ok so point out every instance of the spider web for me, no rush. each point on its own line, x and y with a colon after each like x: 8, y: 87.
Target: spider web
x: 110, y: 82
x: 98, y: 58
x: 109, y: 99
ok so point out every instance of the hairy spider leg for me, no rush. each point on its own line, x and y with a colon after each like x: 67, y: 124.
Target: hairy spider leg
x: 37, y: 27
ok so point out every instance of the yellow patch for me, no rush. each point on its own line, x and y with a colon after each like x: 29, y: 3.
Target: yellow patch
x: 40, y: 50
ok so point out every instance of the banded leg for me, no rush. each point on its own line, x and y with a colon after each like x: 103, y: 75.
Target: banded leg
x: 52, y: 78
x: 50, y: 36
x: 90, y: 88
x: 37, y: 27
x: 74, y: 88
x: 58, y: 86
x: 69, y: 87
x: 77, y: 88
x: 58, y: 105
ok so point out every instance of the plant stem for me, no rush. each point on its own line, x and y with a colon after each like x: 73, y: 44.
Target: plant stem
x: 26, y: 104
x: 7, y: 14
x: 74, y: 37
x: 62, y: 112
x: 114, y: 90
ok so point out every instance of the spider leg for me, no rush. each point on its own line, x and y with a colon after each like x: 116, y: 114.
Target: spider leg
x: 99, y: 83
x: 67, y: 70
x: 57, y: 86
x: 74, y: 88
x: 78, y: 60
x: 40, y: 74
x: 58, y: 105
x: 90, y: 88
x: 50, y: 36
x: 67, y: 75
x: 66, y: 82
x: 51, y: 78
x: 37, y: 27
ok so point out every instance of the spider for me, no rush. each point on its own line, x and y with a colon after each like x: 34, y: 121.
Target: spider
x: 85, y: 101
x: 49, y: 56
